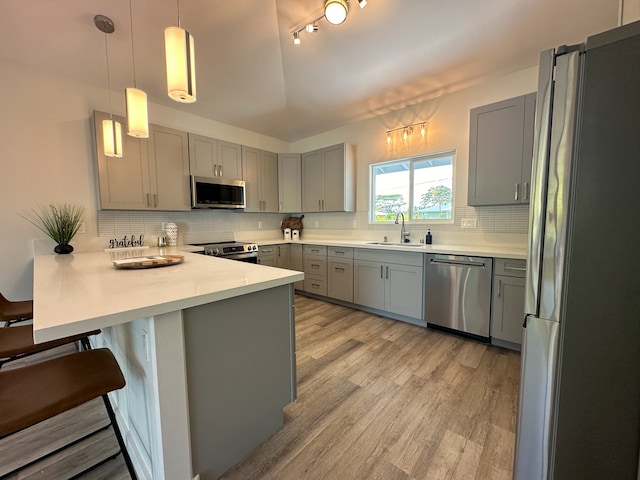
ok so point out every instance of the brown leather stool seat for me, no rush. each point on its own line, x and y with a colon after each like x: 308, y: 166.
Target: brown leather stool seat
x: 15, y: 311
x: 17, y: 342
x: 33, y: 393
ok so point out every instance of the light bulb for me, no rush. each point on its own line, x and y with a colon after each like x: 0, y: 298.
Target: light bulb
x: 362, y: 3
x: 335, y: 11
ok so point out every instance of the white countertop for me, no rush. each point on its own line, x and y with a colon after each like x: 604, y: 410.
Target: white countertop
x: 495, y: 251
x: 83, y: 291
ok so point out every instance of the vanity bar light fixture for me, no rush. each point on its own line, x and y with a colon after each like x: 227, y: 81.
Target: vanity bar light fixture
x: 335, y: 12
x: 111, y: 129
x: 180, y: 63
x: 407, y: 130
x: 136, y: 99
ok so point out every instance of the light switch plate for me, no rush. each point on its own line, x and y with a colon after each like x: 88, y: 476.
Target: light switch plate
x: 469, y: 223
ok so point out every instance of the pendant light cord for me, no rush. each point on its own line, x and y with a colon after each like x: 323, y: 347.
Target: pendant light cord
x: 178, y: 2
x: 133, y: 55
x: 106, y: 54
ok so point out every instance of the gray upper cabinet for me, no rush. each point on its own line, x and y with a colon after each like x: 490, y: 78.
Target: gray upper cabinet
x: 289, y: 182
x: 152, y: 174
x: 209, y: 157
x: 328, y: 179
x: 501, y: 151
x: 260, y: 173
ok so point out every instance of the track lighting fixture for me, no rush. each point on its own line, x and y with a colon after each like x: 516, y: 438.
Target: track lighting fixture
x: 180, y: 63
x: 111, y: 129
x: 335, y: 12
x: 407, y: 131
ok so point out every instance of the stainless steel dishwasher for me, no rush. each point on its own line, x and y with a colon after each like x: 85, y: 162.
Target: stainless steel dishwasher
x: 457, y: 294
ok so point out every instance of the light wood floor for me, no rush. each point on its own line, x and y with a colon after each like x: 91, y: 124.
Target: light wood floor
x: 377, y: 399
x: 380, y: 399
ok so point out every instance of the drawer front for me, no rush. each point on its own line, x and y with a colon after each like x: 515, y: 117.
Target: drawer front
x: 340, y: 252
x: 388, y: 256
x: 510, y: 268
x: 267, y: 250
x: 315, y: 284
x: 315, y: 266
x: 315, y: 250
x: 340, y: 279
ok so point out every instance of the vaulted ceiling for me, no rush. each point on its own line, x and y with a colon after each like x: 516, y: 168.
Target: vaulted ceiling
x: 387, y: 56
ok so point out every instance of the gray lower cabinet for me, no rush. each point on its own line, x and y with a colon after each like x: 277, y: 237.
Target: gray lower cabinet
x: 296, y: 263
x: 314, y: 259
x: 507, y: 312
x: 283, y: 256
x: 267, y: 255
x: 340, y: 273
x: 501, y: 151
x: 389, y: 281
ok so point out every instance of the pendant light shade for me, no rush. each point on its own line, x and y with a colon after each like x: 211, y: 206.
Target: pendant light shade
x: 137, y: 117
x: 111, y: 130
x: 180, y: 62
x: 112, y: 138
x: 335, y: 11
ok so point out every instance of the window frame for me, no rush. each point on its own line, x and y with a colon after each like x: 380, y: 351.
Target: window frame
x: 410, y: 194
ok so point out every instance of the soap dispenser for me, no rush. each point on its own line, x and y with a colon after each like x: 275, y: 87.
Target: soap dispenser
x: 429, y: 238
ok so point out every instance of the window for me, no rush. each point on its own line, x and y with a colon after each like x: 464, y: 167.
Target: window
x: 420, y: 187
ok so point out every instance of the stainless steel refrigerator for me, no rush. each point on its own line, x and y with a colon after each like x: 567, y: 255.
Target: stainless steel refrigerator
x: 579, y: 412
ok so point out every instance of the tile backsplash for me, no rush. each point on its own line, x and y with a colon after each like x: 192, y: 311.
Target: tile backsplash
x: 200, y: 226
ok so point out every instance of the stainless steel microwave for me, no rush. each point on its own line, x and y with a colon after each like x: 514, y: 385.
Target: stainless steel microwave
x: 211, y: 192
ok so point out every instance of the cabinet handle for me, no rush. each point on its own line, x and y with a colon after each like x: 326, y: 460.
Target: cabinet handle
x: 525, y: 193
x: 315, y: 265
x: 315, y: 250
x: 148, y: 201
x: 338, y: 252
x: 155, y: 200
x: 499, y: 288
x: 515, y: 269
x: 387, y: 271
x: 315, y: 285
x: 517, y: 191
x: 381, y: 275
x: 278, y: 250
x: 319, y: 204
x: 338, y: 269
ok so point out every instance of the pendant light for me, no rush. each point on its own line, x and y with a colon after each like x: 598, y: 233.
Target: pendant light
x: 111, y: 129
x: 136, y: 100
x: 335, y: 11
x: 180, y: 63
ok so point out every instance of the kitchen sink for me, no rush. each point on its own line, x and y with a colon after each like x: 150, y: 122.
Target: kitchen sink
x: 398, y: 244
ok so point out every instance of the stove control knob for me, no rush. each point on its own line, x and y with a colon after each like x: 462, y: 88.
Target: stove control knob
x: 216, y: 251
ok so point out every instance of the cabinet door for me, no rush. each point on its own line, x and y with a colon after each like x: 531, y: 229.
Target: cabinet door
x: 269, y: 179
x: 507, y: 309
x: 289, y: 182
x: 500, y: 147
x: 284, y: 256
x: 250, y: 169
x: 296, y: 262
x: 403, y: 290
x: 312, y: 181
x: 169, y: 166
x: 268, y: 260
x: 202, y: 156
x: 124, y: 181
x: 229, y: 160
x: 340, y: 276
x: 333, y: 178
x: 368, y: 284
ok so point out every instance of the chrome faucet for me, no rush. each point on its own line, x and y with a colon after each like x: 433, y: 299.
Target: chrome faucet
x: 404, y: 235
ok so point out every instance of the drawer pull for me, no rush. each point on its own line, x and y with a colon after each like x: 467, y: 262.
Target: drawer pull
x: 315, y: 285
x: 516, y: 269
x: 338, y: 269
x: 315, y: 265
x: 338, y: 252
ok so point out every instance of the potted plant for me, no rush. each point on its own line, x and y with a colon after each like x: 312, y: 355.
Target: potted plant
x: 60, y: 222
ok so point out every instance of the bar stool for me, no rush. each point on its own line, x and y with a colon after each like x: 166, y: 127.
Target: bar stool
x: 17, y: 342
x: 11, y: 312
x: 34, y: 393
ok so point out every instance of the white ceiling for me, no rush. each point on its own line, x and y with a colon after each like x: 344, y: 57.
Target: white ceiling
x: 391, y: 54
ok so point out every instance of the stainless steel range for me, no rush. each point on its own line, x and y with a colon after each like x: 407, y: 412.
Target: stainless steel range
x: 242, y: 251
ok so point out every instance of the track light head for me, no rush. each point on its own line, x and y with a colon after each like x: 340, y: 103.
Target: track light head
x: 335, y: 11
x: 312, y: 27
x: 362, y: 3
x: 296, y: 38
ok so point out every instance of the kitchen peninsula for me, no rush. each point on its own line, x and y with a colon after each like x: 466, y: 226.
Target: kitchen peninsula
x: 207, y: 348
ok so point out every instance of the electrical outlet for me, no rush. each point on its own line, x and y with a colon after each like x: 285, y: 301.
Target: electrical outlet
x: 82, y: 228
x: 469, y: 223
x: 260, y: 224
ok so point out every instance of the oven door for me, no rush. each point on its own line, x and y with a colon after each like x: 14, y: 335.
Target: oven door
x: 249, y: 257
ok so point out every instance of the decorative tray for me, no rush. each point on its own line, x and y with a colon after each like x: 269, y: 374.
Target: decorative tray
x: 149, y: 262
